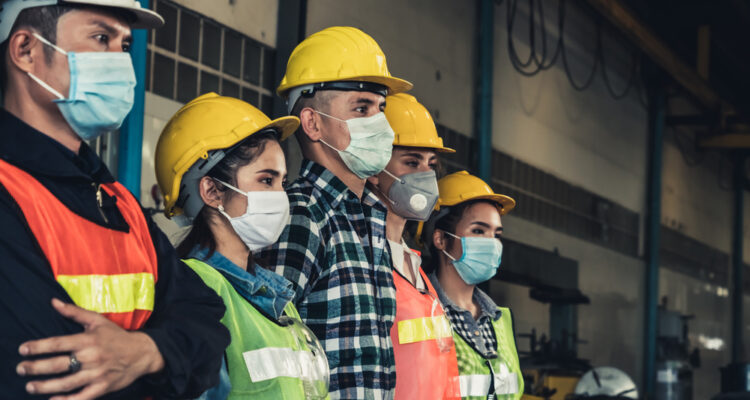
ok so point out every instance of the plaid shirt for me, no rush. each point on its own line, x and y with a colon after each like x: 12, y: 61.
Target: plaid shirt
x: 334, y: 253
x: 479, y: 333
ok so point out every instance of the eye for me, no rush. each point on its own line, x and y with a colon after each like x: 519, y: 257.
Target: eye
x: 284, y: 183
x: 477, y: 231
x: 433, y: 166
x: 126, y: 47
x: 361, y: 110
x: 267, y: 181
x: 102, y: 38
x: 413, y: 164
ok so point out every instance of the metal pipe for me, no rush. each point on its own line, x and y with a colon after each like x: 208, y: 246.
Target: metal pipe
x: 657, y: 107
x: 737, y: 264
x: 131, y: 131
x: 483, y: 107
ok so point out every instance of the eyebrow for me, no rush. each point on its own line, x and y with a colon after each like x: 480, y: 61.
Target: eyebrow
x: 415, y: 155
x: 269, y: 171
x: 362, y: 100
x: 111, y: 29
x: 486, y: 225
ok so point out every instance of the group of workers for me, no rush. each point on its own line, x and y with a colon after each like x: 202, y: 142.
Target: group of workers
x: 307, y: 290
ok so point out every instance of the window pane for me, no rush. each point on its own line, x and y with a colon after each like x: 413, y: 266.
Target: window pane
x: 209, y: 83
x: 166, y: 36
x: 211, y: 44
x: 232, y: 53
x: 250, y: 96
x: 266, y: 105
x: 189, y: 35
x: 148, y: 70
x: 269, y: 63
x: 163, y: 76
x: 187, y: 82
x: 230, y: 89
x: 251, y: 71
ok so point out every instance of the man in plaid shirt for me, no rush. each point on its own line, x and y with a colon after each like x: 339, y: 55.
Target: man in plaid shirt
x: 333, y: 251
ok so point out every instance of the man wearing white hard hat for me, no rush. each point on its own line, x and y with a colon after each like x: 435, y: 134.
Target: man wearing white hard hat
x: 93, y: 300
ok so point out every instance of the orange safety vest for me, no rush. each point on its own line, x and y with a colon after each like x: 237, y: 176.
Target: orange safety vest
x: 423, y: 347
x: 107, y: 271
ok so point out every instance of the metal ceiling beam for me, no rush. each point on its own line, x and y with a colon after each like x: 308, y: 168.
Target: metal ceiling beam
x: 625, y: 20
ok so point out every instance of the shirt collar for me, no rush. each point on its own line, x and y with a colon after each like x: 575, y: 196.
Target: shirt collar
x: 328, y: 183
x: 486, y: 305
x: 266, y: 290
x: 37, y: 153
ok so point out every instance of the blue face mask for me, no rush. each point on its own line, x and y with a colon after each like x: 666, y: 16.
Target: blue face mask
x: 102, y: 87
x: 480, y: 258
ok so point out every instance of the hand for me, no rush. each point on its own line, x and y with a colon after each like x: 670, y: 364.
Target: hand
x: 111, y: 358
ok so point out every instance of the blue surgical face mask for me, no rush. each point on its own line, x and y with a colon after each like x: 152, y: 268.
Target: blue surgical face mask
x: 479, y: 260
x: 102, y: 88
x: 370, y: 145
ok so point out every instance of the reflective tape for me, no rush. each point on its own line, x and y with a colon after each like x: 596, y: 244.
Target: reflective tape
x: 421, y: 329
x: 273, y: 362
x: 110, y: 293
x: 479, y: 385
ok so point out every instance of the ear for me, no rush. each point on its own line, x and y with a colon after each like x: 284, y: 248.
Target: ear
x: 210, y: 193
x: 310, y: 123
x: 21, y: 50
x: 438, y: 239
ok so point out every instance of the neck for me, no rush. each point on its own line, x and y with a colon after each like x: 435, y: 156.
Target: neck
x: 454, y: 287
x: 47, y: 120
x: 326, y: 157
x: 394, y: 223
x: 228, y: 243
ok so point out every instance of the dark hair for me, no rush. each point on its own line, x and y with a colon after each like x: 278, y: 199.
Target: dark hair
x: 446, y: 223
x: 226, y: 170
x: 44, y: 20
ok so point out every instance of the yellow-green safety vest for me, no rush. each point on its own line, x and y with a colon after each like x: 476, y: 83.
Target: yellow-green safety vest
x: 476, y: 378
x: 265, y: 360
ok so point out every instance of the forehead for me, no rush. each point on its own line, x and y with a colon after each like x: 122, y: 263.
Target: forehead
x: 484, y: 211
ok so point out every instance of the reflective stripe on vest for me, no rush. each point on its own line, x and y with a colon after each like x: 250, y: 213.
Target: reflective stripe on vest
x: 479, y: 385
x: 274, y: 362
x: 425, y: 328
x: 110, y: 293
x: 101, y: 269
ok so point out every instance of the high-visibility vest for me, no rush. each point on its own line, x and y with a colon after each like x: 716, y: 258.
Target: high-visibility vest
x: 423, y: 345
x: 264, y: 360
x: 480, y: 377
x: 108, y: 271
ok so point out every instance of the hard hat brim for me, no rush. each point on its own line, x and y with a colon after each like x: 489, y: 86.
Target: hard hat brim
x: 439, y: 149
x: 394, y: 85
x: 144, y: 18
x: 286, y: 126
x: 506, y: 203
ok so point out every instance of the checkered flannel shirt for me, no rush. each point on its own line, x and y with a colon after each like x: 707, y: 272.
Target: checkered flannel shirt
x: 479, y: 333
x: 334, y: 253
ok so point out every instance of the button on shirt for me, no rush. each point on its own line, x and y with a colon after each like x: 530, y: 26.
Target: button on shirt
x: 479, y: 333
x: 334, y: 253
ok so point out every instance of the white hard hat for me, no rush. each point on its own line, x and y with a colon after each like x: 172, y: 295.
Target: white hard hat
x: 144, y: 18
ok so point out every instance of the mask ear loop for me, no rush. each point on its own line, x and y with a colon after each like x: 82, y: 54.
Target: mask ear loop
x: 445, y: 252
x: 221, y: 206
x: 41, y: 82
x: 332, y: 117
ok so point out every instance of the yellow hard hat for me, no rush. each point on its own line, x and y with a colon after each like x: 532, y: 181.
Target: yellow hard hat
x: 199, y: 131
x: 412, y: 123
x: 460, y: 187
x: 336, y: 54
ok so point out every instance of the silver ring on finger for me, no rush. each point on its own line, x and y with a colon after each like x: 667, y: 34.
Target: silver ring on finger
x: 74, y: 365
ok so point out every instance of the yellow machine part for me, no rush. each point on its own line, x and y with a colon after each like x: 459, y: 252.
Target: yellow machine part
x: 564, y: 385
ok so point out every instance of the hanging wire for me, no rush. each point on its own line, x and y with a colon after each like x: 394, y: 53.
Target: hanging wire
x: 635, y: 60
x: 590, y: 79
x: 536, y: 62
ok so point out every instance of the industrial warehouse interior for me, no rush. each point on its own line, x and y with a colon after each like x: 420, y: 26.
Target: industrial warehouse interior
x: 620, y: 128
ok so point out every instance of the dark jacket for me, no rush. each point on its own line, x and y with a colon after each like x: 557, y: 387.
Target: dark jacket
x: 185, y: 321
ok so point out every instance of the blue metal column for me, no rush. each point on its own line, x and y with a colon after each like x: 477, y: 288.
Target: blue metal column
x: 483, y: 107
x: 657, y: 106
x: 131, y: 132
x: 738, y: 353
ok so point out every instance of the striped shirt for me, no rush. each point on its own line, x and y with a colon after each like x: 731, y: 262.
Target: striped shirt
x: 334, y: 253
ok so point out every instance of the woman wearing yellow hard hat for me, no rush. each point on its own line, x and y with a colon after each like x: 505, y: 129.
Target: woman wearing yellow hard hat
x: 463, y: 236
x: 219, y: 165
x: 423, y: 348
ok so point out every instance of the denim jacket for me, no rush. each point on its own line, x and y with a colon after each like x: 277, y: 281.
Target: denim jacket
x: 265, y: 290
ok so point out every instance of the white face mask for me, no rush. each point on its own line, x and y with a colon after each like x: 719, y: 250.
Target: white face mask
x: 266, y: 217
x: 370, y: 144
